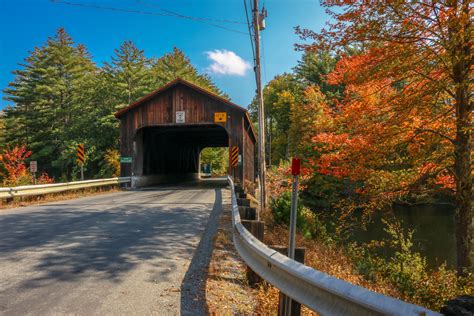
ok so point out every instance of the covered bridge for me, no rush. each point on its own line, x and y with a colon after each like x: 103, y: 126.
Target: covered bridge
x: 163, y: 133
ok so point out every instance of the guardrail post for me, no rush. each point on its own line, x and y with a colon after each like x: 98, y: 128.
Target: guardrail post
x: 256, y: 228
x: 238, y: 189
x: 10, y: 199
x: 461, y: 305
x: 295, y: 306
x: 243, y: 202
x: 249, y: 213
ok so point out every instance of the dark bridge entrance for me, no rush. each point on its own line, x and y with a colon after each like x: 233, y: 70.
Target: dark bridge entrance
x: 164, y: 133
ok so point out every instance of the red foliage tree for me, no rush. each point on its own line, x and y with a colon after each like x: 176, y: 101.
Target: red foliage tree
x: 13, y: 160
x: 421, y: 52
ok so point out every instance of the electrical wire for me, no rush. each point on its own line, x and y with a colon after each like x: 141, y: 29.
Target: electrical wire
x: 142, y: 12
x: 250, y: 31
x: 107, y: 8
x: 188, y: 16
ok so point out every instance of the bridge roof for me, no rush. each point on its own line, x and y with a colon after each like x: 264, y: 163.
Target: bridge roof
x: 176, y: 82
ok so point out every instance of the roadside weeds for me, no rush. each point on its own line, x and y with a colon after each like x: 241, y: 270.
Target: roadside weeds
x: 55, y: 197
x: 324, y: 258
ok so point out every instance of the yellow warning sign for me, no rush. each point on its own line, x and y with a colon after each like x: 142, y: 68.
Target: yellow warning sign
x: 80, y: 154
x: 220, y: 117
x: 234, y: 156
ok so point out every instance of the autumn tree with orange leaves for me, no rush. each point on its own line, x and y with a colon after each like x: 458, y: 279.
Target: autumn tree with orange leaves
x: 412, y: 79
x: 13, y: 161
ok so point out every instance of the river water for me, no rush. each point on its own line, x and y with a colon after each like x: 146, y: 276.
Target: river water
x: 434, y: 235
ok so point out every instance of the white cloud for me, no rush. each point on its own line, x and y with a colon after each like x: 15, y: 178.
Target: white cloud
x: 225, y: 62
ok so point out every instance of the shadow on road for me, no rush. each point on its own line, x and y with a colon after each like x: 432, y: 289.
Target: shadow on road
x: 104, y: 240
x: 193, y: 288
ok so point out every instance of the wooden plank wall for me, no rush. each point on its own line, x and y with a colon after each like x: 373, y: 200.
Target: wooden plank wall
x: 199, y: 109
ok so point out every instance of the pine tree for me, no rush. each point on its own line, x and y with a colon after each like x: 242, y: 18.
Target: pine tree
x: 60, y: 98
x: 129, y: 74
x: 313, y: 68
x: 47, y: 96
x: 176, y: 65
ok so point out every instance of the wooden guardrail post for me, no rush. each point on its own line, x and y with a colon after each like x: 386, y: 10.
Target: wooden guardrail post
x: 256, y: 228
x: 295, y: 306
x: 248, y: 215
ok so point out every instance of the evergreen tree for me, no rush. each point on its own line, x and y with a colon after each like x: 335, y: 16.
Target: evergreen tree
x: 60, y: 98
x: 176, y: 65
x: 313, y: 68
x: 47, y: 95
x: 129, y: 74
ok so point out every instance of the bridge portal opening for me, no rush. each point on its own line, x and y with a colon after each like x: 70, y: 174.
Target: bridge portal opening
x: 171, y: 153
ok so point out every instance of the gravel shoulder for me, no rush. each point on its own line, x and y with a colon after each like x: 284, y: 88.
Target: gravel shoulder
x: 227, y: 289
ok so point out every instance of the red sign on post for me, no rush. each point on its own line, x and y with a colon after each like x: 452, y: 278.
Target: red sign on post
x: 295, y: 166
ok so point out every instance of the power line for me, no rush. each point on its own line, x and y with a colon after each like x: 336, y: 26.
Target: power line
x: 196, y: 19
x: 108, y: 8
x: 250, y: 30
x: 142, y: 12
x: 188, y: 16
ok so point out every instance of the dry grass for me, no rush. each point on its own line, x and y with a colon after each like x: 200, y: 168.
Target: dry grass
x: 330, y: 260
x: 54, y: 197
x: 227, y: 290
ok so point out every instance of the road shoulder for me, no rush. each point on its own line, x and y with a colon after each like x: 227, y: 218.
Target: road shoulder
x: 227, y: 290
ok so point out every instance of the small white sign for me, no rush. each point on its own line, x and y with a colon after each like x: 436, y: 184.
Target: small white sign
x: 180, y: 117
x: 33, y: 166
x: 240, y: 159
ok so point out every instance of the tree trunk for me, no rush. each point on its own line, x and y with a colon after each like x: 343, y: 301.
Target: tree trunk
x: 462, y: 166
x: 459, y: 27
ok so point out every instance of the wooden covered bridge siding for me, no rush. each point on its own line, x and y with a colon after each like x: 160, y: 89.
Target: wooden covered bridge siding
x: 163, y: 149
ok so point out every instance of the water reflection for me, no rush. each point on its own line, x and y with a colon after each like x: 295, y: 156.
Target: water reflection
x: 434, y: 235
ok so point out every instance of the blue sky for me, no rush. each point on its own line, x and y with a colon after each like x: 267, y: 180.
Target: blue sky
x: 27, y: 23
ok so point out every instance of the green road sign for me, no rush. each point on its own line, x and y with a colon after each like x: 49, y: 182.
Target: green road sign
x: 126, y: 159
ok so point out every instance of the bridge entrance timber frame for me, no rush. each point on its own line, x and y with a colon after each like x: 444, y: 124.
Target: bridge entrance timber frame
x: 165, y: 131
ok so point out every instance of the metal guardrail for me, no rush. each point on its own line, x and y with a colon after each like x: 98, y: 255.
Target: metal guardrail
x: 58, y: 187
x: 318, y: 291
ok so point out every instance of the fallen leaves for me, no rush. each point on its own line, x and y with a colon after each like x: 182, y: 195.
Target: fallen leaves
x: 227, y: 290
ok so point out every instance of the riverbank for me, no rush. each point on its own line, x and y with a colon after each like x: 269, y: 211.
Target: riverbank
x: 429, y: 288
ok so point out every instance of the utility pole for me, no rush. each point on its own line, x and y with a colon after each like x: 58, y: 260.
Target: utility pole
x: 258, y: 21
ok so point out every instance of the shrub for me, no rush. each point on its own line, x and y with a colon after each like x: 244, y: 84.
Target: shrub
x: 13, y: 161
x: 307, y: 222
x: 44, y: 178
x: 407, y: 270
x: 109, y: 165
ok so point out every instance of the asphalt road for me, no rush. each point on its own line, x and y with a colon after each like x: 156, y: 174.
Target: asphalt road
x: 130, y: 252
